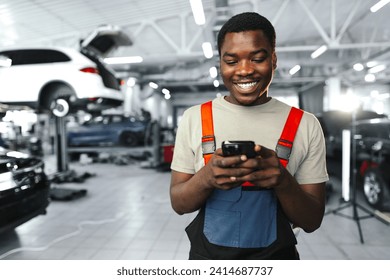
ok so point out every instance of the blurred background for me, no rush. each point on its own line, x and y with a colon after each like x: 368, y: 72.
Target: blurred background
x: 91, y: 93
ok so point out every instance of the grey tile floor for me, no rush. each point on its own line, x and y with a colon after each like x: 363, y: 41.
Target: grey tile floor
x: 126, y: 214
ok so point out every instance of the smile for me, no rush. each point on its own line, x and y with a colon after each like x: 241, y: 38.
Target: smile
x: 246, y: 86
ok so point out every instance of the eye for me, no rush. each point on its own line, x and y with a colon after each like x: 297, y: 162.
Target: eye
x: 230, y: 62
x: 258, y: 59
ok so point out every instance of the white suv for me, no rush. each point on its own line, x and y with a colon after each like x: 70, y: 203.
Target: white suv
x: 62, y: 80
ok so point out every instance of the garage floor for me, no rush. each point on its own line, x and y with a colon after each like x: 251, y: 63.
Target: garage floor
x: 126, y: 214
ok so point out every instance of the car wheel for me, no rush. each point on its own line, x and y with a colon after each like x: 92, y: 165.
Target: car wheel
x: 373, y: 188
x: 58, y: 102
x: 128, y: 139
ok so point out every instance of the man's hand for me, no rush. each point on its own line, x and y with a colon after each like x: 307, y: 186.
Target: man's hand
x: 268, y: 171
x: 228, y: 172
x: 263, y: 171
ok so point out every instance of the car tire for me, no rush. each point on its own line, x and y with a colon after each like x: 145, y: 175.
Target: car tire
x: 373, y: 188
x: 128, y: 139
x: 58, y: 101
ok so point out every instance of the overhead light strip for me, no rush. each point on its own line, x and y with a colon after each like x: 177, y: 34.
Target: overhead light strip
x: 358, y: 67
x: 319, y: 51
x: 377, y: 69
x: 123, y: 60
x: 198, y: 12
x: 207, y: 50
x: 153, y: 85
x: 379, y: 5
x: 295, y: 69
x: 213, y: 72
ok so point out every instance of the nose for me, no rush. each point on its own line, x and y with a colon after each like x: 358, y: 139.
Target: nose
x: 245, y: 68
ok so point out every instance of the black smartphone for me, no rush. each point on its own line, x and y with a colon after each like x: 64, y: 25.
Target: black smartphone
x: 233, y: 148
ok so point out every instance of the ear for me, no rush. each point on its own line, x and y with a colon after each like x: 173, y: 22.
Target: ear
x: 274, y: 60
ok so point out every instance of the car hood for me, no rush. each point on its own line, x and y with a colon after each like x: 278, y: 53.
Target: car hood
x: 16, y: 169
x: 15, y: 161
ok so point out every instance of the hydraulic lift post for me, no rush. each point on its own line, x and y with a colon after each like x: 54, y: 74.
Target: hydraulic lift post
x: 64, y: 174
x: 61, y: 145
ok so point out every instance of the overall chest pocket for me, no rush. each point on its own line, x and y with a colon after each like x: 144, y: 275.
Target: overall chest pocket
x: 245, y: 219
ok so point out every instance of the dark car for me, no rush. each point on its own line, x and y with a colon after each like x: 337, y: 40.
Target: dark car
x: 373, y: 159
x: 109, y: 130
x: 24, y: 189
x: 334, y: 122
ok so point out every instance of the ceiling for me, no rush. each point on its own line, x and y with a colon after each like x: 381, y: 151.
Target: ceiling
x: 165, y: 35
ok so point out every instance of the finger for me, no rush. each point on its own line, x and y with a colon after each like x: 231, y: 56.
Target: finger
x: 271, y: 162
x: 265, y: 152
x: 228, y: 162
x: 218, y: 152
x: 226, y: 183
x: 235, y: 174
x: 262, y: 177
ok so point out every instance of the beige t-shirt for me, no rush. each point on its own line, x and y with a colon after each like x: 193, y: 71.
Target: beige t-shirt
x: 262, y: 124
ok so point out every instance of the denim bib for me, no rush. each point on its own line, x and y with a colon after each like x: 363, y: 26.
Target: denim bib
x: 241, y: 219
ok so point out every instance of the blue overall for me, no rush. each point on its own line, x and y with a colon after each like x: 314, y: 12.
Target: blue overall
x: 241, y: 219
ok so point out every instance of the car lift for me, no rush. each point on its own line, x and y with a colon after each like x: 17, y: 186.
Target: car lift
x: 64, y: 174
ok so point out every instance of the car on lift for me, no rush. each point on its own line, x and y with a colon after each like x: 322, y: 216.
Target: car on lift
x: 109, y: 130
x: 24, y: 188
x: 62, y: 80
x: 373, y: 159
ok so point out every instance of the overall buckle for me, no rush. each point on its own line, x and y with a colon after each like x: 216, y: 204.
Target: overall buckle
x: 283, y: 149
x: 208, y: 144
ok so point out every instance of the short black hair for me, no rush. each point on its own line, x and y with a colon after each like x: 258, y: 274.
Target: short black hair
x: 247, y: 21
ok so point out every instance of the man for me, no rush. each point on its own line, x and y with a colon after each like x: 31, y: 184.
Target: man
x: 237, y: 222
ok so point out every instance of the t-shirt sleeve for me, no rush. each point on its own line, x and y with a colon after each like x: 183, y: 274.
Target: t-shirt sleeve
x: 313, y: 169
x: 183, y: 155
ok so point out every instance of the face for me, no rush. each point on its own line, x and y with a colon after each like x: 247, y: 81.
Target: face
x: 247, y: 66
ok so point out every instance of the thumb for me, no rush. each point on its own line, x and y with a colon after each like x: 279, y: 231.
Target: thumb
x: 264, y: 152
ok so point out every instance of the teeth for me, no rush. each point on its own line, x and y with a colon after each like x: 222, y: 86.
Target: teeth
x: 246, y: 85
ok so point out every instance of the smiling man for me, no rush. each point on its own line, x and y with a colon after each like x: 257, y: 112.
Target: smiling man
x: 247, y: 206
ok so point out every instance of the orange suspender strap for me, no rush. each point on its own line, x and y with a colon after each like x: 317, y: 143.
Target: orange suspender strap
x: 283, y: 147
x: 285, y: 143
x: 208, y: 138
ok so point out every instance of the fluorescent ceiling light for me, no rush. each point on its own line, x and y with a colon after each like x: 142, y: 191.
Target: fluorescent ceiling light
x: 216, y: 83
x: 379, y: 5
x: 207, y: 50
x: 371, y: 64
x: 153, y: 85
x: 131, y: 81
x: 377, y: 69
x: 358, y: 67
x: 213, y: 72
x: 369, y: 78
x: 295, y: 69
x: 319, y: 51
x: 165, y: 91
x: 198, y: 12
x: 123, y: 60
x: 167, y: 96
